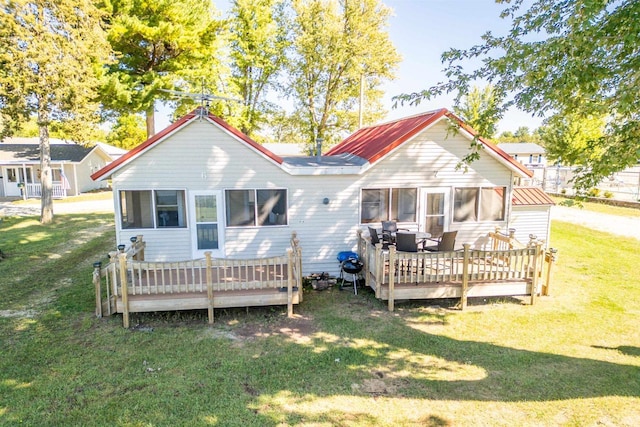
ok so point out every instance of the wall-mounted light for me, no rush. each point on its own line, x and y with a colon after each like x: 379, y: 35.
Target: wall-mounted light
x: 325, y: 201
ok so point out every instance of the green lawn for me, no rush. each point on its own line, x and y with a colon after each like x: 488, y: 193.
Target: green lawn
x: 572, y: 359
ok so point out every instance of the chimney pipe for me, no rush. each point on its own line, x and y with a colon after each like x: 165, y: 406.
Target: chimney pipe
x: 319, y: 149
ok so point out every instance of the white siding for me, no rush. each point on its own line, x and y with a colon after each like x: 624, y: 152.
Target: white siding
x: 201, y: 156
x: 83, y: 170
x: 531, y: 220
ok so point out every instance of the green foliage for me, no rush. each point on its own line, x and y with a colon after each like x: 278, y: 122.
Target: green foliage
x: 522, y: 134
x: 337, y: 46
x: 51, y: 57
x: 128, y: 132
x: 158, y: 45
x: 258, y: 40
x: 479, y: 109
x: 570, y: 57
x: 608, y: 194
x: 593, y: 192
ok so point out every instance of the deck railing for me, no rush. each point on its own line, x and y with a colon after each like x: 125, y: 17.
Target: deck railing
x: 58, y: 191
x: 496, y: 259
x: 127, y: 274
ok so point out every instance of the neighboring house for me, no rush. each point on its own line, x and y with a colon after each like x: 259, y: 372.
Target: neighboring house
x: 71, y: 166
x: 531, y: 155
x: 201, y: 185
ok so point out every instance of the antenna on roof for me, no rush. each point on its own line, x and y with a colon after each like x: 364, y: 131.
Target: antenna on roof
x: 204, y: 98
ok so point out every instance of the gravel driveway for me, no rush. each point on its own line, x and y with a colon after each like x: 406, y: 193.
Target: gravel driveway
x: 614, y: 224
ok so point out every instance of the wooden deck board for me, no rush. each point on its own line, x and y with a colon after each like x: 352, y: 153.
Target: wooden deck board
x: 200, y: 300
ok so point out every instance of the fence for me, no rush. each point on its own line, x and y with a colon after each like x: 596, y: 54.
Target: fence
x: 623, y: 185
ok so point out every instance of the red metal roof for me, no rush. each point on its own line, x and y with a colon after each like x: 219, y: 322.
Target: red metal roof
x: 530, y: 196
x: 172, y: 128
x: 374, y: 142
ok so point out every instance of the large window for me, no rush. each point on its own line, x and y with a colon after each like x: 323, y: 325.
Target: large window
x: 388, y: 204
x: 478, y: 204
x: 250, y: 208
x: 152, y: 209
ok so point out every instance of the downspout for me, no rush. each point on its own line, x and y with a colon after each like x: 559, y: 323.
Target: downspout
x: 509, y: 202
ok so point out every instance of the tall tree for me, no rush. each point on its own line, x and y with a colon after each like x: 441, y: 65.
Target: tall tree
x: 572, y: 139
x: 258, y: 40
x: 127, y: 132
x: 480, y: 109
x: 563, y: 57
x: 159, y: 45
x: 337, y: 45
x: 51, y: 54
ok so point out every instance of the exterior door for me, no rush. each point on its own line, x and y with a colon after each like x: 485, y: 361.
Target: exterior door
x: 435, y: 211
x: 13, y: 177
x: 206, y: 223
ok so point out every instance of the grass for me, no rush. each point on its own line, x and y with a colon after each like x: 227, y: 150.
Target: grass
x: 572, y: 359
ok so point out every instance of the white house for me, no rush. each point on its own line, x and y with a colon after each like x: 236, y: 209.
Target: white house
x: 202, y: 185
x: 530, y: 155
x: 71, y: 164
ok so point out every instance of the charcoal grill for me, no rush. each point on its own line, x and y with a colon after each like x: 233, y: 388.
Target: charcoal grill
x: 350, y: 264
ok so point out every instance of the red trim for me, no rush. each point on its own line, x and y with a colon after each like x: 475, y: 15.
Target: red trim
x: 172, y: 128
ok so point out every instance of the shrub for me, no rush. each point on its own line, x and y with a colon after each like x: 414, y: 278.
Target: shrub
x: 608, y: 194
x: 593, y: 192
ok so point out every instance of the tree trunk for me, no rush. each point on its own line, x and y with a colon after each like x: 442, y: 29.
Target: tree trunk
x: 46, y: 179
x: 151, y: 126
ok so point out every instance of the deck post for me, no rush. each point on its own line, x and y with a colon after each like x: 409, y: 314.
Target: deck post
x: 552, y: 258
x: 140, y: 255
x: 290, y: 283
x: 465, y: 276
x: 392, y: 274
x: 209, y: 276
x: 378, y: 269
x: 297, y: 256
x: 98, y: 288
x: 536, y: 272
x: 122, y: 259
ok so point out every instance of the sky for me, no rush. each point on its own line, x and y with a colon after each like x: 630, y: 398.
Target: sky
x: 421, y: 31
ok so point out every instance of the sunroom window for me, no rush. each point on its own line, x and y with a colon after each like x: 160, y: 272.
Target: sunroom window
x: 388, y: 204
x: 152, y: 209
x: 479, y: 204
x: 251, y: 208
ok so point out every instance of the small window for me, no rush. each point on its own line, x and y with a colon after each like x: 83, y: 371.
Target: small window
x: 139, y: 209
x: 492, y: 204
x: 385, y: 204
x: 249, y: 208
x: 464, y: 204
x: 479, y: 204
x: 170, y: 208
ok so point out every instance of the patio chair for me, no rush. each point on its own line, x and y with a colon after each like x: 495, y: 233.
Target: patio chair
x: 389, y: 230
x: 446, y: 242
x: 375, y: 239
x: 406, y: 242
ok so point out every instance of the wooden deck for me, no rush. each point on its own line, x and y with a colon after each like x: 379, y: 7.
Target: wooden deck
x: 129, y: 284
x: 498, y: 265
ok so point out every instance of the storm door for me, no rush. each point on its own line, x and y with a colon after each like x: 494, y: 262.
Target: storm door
x: 435, y: 211
x: 206, y: 223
